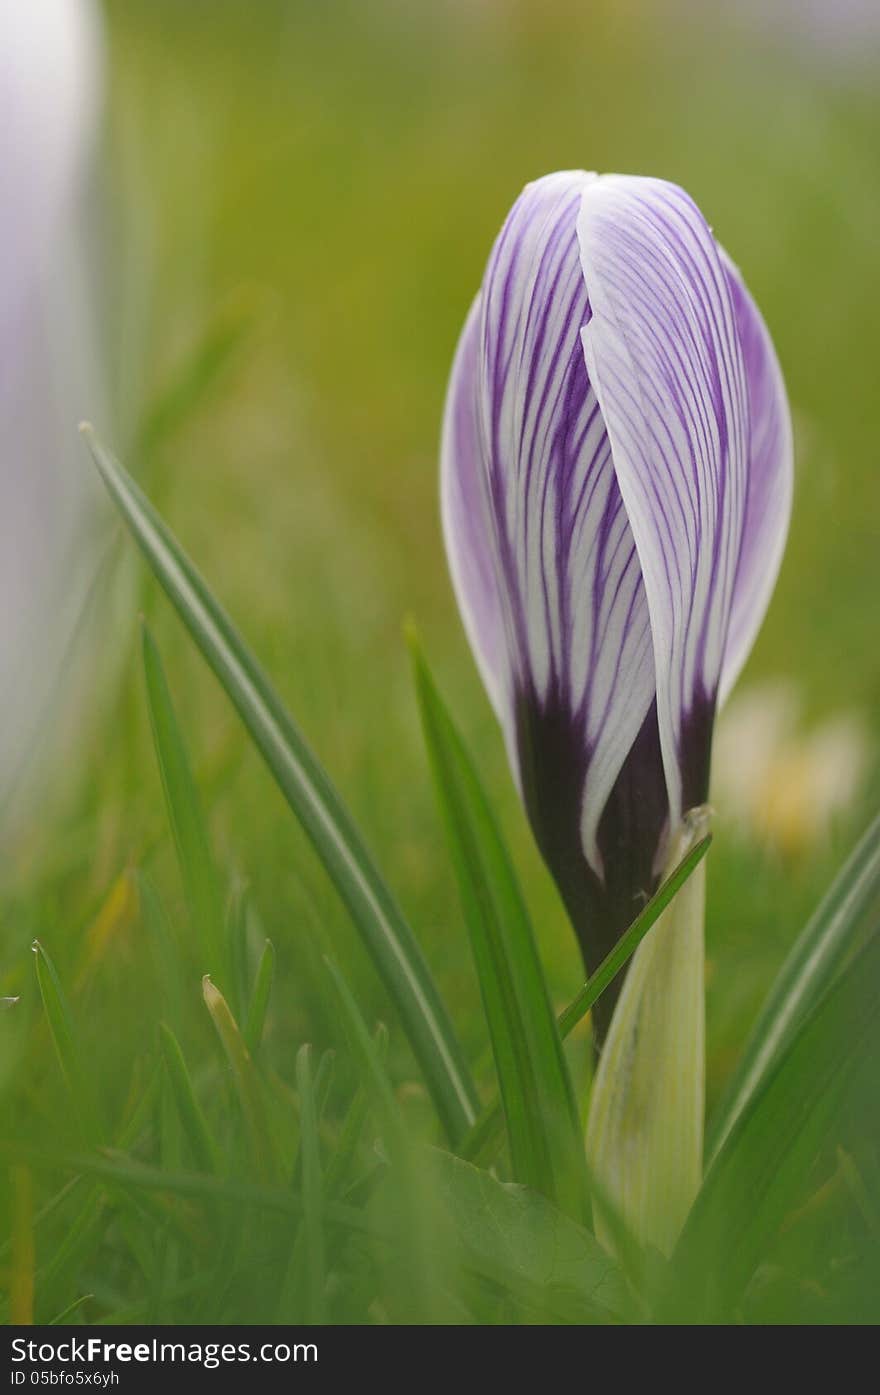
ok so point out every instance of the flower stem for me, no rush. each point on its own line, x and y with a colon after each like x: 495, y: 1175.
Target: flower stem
x: 645, y: 1125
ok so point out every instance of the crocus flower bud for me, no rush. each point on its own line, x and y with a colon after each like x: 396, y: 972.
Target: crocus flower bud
x: 50, y: 61
x: 616, y: 489
x: 616, y: 482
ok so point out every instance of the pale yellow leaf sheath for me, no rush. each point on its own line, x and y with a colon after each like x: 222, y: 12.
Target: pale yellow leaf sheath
x: 645, y: 1125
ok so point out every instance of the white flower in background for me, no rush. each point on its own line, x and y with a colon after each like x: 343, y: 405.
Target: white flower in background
x: 846, y: 30
x: 780, y: 784
x: 50, y: 83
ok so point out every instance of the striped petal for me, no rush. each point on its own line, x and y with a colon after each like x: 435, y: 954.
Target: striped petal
x: 563, y: 636
x: 467, y: 523
x: 664, y: 355
x: 770, y: 481
x: 547, y: 574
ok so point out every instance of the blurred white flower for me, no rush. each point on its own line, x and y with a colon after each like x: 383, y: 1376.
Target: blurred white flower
x: 780, y: 783
x: 50, y: 85
x: 845, y: 29
x: 841, y: 41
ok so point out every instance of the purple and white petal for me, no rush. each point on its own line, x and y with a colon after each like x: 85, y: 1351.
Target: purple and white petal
x: 616, y: 488
x: 468, y: 530
x: 770, y: 481
x: 576, y: 619
x: 663, y: 352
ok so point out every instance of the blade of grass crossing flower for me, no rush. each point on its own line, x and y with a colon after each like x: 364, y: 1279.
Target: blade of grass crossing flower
x: 312, y: 1187
x: 77, y: 1079
x: 388, y: 938
x: 192, y: 1118
x: 763, y: 1166
x: 259, y: 1002
x: 482, y: 1141
x: 546, y: 1146
x: 813, y: 962
x: 629, y: 942
x: 185, y: 815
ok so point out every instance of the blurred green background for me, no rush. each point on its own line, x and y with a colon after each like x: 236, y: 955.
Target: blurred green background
x: 331, y: 176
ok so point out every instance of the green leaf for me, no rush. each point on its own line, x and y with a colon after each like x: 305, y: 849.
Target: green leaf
x: 190, y: 1113
x: 388, y: 938
x: 185, y: 815
x: 312, y: 1187
x: 760, y: 1172
x: 546, y: 1147
x: 58, y: 1015
x: 516, y: 1240
x: 812, y: 964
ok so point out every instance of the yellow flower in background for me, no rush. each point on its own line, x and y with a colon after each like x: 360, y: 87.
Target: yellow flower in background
x: 782, y: 783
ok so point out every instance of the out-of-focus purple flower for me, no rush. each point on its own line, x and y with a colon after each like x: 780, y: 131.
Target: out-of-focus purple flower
x: 50, y: 71
x: 616, y: 489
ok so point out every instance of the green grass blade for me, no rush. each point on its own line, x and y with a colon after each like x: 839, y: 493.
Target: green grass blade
x: 164, y: 950
x: 184, y: 806
x: 388, y: 938
x: 324, y: 1081
x: 408, y: 1196
x: 312, y: 1187
x: 195, y: 1125
x: 344, y: 1154
x: 61, y: 1318
x: 812, y: 964
x: 762, y: 1168
x: 484, y: 1138
x: 67, y: 1049
x: 259, y: 1003
x: 630, y: 940
x: 547, y: 1150
x: 371, y: 1070
x: 237, y: 949
x: 247, y: 1081
x: 126, y: 1172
